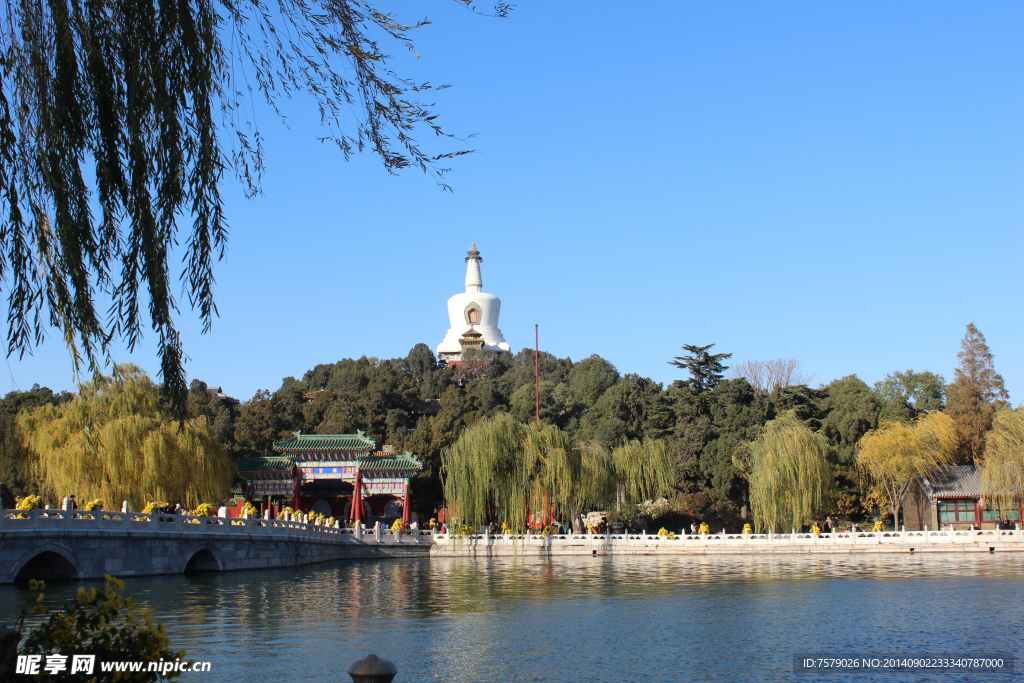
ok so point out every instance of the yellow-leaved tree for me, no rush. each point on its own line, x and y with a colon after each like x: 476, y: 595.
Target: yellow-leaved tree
x: 118, y: 441
x: 1002, y: 470
x: 896, y: 452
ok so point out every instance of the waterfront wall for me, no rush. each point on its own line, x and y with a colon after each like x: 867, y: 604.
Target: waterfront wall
x: 85, y: 545
x: 862, y: 542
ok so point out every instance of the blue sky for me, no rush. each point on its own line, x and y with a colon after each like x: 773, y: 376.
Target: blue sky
x: 839, y: 183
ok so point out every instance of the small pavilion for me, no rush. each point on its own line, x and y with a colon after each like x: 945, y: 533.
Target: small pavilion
x: 346, y: 476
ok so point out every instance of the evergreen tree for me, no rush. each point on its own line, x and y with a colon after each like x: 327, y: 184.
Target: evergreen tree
x: 706, y: 370
x: 975, y: 395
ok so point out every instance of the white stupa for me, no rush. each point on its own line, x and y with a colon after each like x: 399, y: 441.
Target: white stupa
x: 472, y: 316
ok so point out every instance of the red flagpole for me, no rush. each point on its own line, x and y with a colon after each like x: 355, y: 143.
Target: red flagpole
x: 536, y: 358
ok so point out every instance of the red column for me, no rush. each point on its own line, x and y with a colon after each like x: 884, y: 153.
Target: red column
x: 357, y: 499
x: 406, y: 506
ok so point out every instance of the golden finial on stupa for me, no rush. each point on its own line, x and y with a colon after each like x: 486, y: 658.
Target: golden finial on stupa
x: 474, y: 246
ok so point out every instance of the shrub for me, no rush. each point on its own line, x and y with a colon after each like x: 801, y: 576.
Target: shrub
x: 202, y: 510
x: 152, y: 505
x: 28, y: 502
x: 99, y: 624
x: 93, y: 505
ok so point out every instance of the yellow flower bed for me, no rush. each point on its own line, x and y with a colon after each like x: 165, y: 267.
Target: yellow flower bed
x: 152, y: 505
x: 202, y: 510
x: 666, y: 533
x: 28, y: 502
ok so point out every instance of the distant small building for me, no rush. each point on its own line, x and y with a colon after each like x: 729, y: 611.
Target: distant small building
x: 953, y: 497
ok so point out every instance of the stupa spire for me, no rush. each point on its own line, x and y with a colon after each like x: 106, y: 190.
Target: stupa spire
x: 474, y: 282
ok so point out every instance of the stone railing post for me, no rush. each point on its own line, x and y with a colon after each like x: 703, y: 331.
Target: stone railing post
x: 927, y: 534
x: 376, y: 533
x: 792, y: 536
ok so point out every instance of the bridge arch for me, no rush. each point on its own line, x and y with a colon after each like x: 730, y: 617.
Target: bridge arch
x: 202, y: 557
x: 48, y: 561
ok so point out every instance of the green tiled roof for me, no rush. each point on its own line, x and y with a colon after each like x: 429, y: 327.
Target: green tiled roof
x: 326, y: 442
x: 407, y: 461
x: 260, y: 464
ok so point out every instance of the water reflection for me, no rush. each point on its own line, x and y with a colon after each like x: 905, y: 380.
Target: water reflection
x: 586, y: 618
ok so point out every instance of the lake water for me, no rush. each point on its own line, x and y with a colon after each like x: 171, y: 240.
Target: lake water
x: 589, y: 618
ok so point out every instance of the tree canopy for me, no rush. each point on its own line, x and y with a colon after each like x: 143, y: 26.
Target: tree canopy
x: 1002, y: 471
x: 896, y: 452
x: 790, y: 478
x: 503, y: 468
x: 118, y: 441
x: 975, y: 395
x: 705, y: 369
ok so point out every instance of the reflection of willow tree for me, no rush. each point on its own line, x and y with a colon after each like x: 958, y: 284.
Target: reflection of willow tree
x: 118, y: 441
x: 790, y: 478
x: 502, y: 469
x: 896, y: 452
x: 1002, y: 471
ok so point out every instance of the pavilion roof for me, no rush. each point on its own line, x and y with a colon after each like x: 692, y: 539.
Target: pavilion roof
x: 390, y: 461
x: 258, y: 463
x: 958, y: 481
x: 326, y: 442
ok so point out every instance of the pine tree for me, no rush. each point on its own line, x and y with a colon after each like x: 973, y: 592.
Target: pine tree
x: 705, y: 369
x: 974, y: 396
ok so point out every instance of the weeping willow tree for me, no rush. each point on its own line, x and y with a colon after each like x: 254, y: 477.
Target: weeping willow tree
x: 790, y: 478
x: 1002, y: 470
x: 502, y: 469
x: 117, y: 441
x: 896, y: 452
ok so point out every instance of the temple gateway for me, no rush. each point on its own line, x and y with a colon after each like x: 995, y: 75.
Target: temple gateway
x: 472, y: 316
x: 326, y: 473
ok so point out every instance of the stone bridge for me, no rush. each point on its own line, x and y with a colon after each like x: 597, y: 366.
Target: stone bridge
x: 58, y: 544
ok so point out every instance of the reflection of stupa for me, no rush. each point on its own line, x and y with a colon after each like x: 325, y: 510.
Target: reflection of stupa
x: 473, y: 317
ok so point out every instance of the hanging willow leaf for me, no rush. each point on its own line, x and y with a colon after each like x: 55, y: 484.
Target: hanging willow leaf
x: 117, y: 441
x: 136, y: 110
x: 790, y: 478
x: 1002, y: 470
x: 502, y: 469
